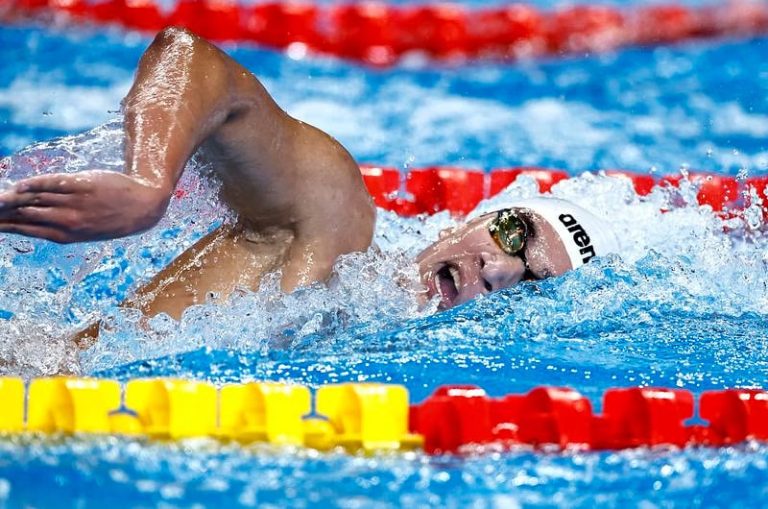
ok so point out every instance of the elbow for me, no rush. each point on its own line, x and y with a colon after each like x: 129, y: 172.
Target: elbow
x: 177, y: 50
x: 173, y: 42
x: 172, y: 36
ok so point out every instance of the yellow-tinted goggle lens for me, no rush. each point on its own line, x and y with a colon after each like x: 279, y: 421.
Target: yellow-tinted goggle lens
x: 509, y: 231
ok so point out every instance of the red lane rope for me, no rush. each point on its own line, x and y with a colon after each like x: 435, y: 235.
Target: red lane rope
x: 380, y: 34
x: 458, y: 416
x: 459, y: 190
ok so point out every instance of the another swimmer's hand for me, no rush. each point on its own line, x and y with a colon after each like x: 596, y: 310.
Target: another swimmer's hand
x: 85, y: 206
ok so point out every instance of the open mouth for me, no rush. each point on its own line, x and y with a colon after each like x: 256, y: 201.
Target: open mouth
x: 448, y: 282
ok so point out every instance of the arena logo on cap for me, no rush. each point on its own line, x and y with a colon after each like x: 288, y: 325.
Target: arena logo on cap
x: 580, y: 236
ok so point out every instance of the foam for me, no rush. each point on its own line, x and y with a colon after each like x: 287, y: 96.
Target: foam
x: 687, y: 259
x: 57, y: 106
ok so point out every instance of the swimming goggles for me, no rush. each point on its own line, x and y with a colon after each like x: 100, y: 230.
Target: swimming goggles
x: 510, y: 232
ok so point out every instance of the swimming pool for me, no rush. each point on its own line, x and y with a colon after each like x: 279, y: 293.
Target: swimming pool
x: 685, y: 306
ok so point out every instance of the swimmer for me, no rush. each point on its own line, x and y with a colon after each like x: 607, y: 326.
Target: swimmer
x: 298, y: 194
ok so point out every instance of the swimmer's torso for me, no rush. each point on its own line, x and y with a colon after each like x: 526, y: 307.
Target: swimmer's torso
x: 227, y: 260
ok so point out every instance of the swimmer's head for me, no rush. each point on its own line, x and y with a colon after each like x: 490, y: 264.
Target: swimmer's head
x: 529, y: 239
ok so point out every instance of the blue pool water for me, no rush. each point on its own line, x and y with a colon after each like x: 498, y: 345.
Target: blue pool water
x: 684, y: 306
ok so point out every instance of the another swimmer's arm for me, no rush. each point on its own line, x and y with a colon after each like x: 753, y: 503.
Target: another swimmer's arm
x: 184, y: 90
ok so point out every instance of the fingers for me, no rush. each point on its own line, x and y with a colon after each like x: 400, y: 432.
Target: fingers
x: 59, y: 183
x: 11, y: 200
x: 52, y: 216
x: 44, y: 191
x: 34, y: 230
x: 51, y: 223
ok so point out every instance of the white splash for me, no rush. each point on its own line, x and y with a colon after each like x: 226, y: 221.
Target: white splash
x: 50, y: 291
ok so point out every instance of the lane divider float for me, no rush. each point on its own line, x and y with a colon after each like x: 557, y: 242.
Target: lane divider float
x: 459, y: 190
x: 380, y: 34
x: 375, y: 417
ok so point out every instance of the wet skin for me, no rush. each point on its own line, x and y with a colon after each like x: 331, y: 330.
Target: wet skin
x: 298, y: 193
x: 467, y: 262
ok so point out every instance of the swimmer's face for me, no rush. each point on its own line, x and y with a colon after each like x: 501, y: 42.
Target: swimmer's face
x: 467, y: 261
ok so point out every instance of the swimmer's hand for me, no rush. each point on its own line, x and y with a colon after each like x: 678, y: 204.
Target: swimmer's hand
x: 85, y: 206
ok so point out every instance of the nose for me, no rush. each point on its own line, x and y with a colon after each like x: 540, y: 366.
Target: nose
x: 501, y: 271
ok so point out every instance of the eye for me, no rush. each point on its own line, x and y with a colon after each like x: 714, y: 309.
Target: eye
x: 509, y: 232
x: 515, y: 241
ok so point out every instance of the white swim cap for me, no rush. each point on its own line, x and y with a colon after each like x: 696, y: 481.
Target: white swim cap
x: 584, y: 234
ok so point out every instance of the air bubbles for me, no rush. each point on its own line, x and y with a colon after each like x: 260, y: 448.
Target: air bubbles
x: 22, y: 245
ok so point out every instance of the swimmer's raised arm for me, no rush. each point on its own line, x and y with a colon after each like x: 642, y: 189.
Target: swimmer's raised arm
x: 276, y: 171
x: 162, y: 128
